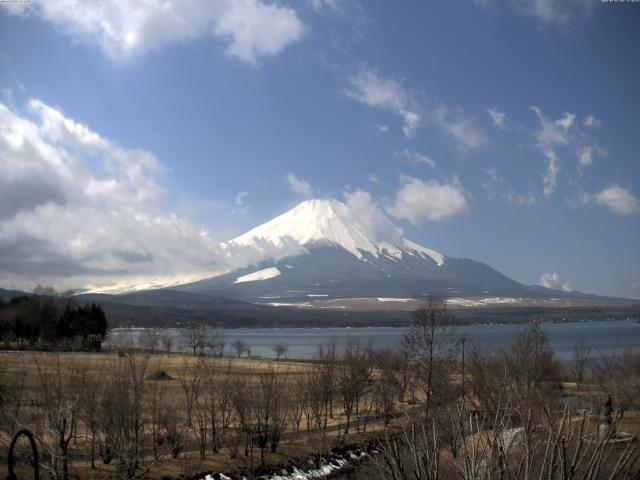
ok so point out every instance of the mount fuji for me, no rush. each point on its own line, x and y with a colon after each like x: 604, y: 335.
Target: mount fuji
x: 322, y: 250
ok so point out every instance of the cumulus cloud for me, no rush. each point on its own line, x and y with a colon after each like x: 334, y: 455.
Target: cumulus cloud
x: 368, y: 214
x: 553, y: 280
x: 417, y: 201
x: 77, y: 209
x: 299, y: 186
x: 250, y: 29
x: 618, y: 199
x: 462, y: 128
x: 387, y: 94
x: 497, y: 117
x: 416, y: 158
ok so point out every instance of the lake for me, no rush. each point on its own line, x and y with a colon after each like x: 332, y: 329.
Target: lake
x: 606, y: 336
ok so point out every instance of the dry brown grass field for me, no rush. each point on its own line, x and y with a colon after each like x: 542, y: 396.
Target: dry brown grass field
x: 26, y: 374
x: 137, y: 413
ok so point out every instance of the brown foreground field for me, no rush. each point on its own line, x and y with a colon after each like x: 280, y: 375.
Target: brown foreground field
x: 430, y: 409
x: 190, y: 413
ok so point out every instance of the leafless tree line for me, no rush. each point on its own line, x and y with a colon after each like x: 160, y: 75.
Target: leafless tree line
x: 468, y: 412
x: 122, y: 415
x: 502, y: 418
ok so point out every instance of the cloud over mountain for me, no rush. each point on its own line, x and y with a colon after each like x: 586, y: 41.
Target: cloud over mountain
x: 418, y: 201
x: 78, y: 208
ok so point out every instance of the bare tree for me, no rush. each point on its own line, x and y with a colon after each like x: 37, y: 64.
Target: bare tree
x: 217, y: 343
x: 620, y: 375
x: 387, y: 363
x: 133, y: 368
x: 270, y: 412
x: 90, y: 394
x: 240, y: 347
x: 279, y: 349
x: 431, y: 335
x: 530, y: 366
x: 581, y: 357
x: 149, y: 339
x: 167, y: 342
x: 298, y: 400
x: 58, y: 400
x: 194, y: 336
x: 353, y: 377
x: 561, y: 448
x: 328, y: 362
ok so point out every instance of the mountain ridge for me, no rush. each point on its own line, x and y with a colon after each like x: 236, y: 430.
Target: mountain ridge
x: 321, y: 248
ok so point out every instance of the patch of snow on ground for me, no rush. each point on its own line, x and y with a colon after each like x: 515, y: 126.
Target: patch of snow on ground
x: 264, y: 274
x: 279, y: 304
x: 321, y: 472
x: 481, y: 302
x: 384, y: 299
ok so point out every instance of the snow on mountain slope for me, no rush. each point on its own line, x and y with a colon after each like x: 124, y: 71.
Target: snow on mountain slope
x: 264, y: 274
x: 325, y: 222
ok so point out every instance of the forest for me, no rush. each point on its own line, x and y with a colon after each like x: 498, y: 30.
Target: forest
x: 48, y: 321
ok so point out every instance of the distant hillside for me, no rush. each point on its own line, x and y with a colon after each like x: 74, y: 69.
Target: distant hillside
x: 7, y: 295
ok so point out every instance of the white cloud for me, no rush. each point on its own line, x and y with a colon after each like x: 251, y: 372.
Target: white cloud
x: 587, y: 154
x: 553, y: 133
x: 76, y: 208
x: 387, y: 94
x: 549, y: 179
x: 492, y: 182
x: 250, y: 29
x: 549, y: 136
x: 373, y: 178
x: 548, y: 12
x: 462, y: 128
x: 553, y: 11
x: 497, y: 117
x: 418, y: 201
x: 381, y: 128
x: 366, y: 212
x: 416, y: 158
x: 618, y: 199
x: 553, y: 280
x: 299, y: 186
x: 562, y: 133
x: 335, y: 6
x: 592, y: 122
x: 240, y: 198
x: 520, y: 199
x: 495, y: 185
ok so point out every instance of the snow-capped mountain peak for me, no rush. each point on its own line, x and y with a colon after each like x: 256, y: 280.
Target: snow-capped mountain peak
x: 326, y: 222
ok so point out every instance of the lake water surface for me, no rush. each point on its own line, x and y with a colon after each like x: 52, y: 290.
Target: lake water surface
x: 606, y: 336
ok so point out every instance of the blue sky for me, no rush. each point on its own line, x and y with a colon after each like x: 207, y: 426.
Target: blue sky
x: 506, y: 132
